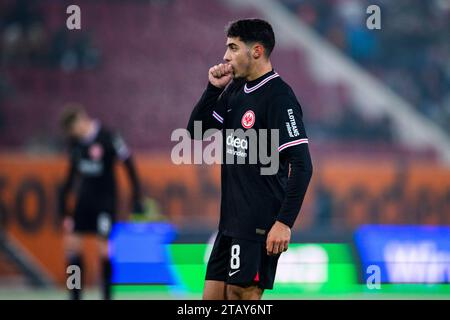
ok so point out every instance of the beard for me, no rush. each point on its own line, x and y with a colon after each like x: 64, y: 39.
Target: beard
x: 245, y: 68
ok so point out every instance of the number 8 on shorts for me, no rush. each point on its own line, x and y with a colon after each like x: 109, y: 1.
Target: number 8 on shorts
x: 235, y: 261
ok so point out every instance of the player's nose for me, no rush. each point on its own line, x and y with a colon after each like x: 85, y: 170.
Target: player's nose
x: 226, y: 57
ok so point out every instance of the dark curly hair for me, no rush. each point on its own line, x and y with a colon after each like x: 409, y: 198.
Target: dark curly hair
x: 251, y: 31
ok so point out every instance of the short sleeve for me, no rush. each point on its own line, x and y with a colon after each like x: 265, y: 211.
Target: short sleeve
x: 285, y: 114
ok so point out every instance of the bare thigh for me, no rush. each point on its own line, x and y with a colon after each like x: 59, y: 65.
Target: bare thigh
x: 214, y: 290
x: 239, y: 293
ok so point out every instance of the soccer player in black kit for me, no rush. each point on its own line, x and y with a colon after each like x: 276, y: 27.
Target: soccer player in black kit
x: 93, y: 153
x: 257, y: 211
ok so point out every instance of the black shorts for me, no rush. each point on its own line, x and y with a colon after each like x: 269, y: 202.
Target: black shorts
x: 89, y: 218
x: 241, y: 262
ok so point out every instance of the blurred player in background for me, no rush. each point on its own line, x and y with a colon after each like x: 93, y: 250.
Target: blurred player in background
x: 93, y: 152
x: 257, y: 211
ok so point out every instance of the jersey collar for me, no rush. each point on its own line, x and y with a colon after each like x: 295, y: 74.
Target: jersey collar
x: 253, y: 85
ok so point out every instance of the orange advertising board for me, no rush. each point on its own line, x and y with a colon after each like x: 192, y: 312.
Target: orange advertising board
x: 342, y: 195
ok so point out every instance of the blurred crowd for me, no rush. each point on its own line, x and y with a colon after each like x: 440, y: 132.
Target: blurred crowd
x: 27, y: 41
x: 410, y: 53
x: 44, y: 64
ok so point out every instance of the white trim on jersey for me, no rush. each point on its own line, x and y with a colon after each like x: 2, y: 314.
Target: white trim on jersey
x: 292, y: 143
x: 217, y: 117
x: 259, y: 85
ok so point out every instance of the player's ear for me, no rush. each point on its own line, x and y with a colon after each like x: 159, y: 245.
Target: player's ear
x: 258, y: 51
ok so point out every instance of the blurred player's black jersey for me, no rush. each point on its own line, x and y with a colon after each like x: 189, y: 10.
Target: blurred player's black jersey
x: 92, y: 161
x: 252, y: 202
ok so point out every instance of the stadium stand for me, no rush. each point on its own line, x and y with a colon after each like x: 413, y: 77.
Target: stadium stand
x: 148, y: 72
x: 411, y: 58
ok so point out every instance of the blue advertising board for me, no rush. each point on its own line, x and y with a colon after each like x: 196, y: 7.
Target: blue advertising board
x: 405, y: 254
x: 139, y: 253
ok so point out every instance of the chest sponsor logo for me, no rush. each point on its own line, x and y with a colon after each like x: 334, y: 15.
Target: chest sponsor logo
x: 248, y: 119
x: 229, y: 146
x: 90, y: 167
x: 241, y: 144
x: 236, y: 142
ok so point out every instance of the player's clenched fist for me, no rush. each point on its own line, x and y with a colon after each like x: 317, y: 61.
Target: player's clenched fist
x: 278, y: 239
x: 220, y: 75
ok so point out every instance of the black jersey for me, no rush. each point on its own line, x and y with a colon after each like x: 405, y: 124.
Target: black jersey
x: 251, y: 202
x: 93, y: 161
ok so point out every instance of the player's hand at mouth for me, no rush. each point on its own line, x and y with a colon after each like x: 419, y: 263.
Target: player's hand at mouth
x: 220, y: 75
x: 278, y: 238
